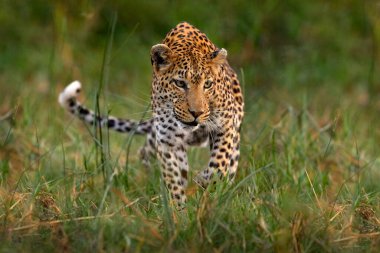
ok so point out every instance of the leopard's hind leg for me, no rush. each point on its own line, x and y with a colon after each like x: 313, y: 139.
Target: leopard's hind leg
x: 148, y: 151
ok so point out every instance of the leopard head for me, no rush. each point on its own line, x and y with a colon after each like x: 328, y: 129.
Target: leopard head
x: 187, y: 81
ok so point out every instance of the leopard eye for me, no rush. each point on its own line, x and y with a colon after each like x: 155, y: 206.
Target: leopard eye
x: 180, y: 83
x: 208, y: 84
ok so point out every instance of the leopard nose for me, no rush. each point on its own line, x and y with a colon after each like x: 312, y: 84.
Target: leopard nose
x: 196, y: 114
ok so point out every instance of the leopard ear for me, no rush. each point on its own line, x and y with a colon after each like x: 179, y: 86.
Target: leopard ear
x: 219, y: 56
x: 160, y: 57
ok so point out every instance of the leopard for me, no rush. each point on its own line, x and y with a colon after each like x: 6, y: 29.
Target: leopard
x: 196, y: 100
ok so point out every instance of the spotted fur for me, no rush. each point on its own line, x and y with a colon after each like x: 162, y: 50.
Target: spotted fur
x: 196, y: 99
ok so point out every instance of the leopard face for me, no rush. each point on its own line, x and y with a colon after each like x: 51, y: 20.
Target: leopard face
x: 188, y: 75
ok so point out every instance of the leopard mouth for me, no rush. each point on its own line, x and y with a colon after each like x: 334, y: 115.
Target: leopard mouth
x: 192, y: 123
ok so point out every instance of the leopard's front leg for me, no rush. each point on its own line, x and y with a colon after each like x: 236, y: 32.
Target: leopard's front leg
x: 173, y: 158
x: 221, y: 145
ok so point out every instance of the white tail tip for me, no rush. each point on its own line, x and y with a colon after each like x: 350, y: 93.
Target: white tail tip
x: 71, y: 91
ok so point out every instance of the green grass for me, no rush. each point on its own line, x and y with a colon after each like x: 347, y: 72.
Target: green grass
x: 309, y: 170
